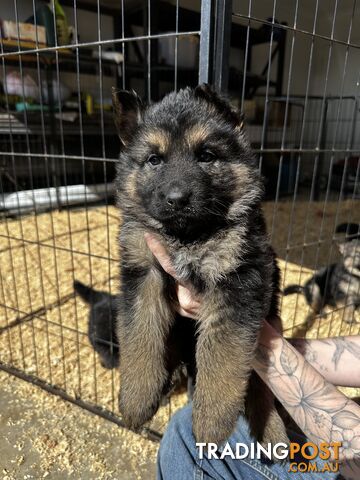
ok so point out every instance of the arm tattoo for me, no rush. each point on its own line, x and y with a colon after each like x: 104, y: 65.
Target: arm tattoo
x: 322, y: 412
x: 341, y: 345
x: 306, y: 348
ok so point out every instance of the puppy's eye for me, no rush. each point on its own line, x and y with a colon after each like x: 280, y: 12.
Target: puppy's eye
x: 154, y: 160
x: 206, y: 156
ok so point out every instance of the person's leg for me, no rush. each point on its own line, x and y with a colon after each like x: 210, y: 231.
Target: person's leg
x: 178, y: 457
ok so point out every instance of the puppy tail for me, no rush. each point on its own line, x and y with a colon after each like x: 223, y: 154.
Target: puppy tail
x: 289, y: 290
x: 352, y: 230
x: 87, y: 293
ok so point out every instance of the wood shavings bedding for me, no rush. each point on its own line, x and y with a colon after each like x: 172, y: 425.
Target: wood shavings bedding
x: 43, y: 326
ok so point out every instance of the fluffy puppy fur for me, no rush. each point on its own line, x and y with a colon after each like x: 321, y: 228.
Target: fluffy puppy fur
x: 102, y: 323
x: 186, y: 173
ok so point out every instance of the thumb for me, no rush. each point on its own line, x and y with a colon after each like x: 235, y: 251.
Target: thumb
x: 162, y: 256
x: 160, y: 253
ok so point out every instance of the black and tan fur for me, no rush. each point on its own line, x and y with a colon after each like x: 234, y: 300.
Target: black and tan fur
x: 187, y: 174
x: 337, y: 284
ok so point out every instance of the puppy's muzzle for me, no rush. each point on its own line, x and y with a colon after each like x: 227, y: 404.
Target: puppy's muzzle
x: 177, y: 198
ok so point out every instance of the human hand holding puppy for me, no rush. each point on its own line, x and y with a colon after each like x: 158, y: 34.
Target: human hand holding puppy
x: 188, y: 301
x: 285, y: 370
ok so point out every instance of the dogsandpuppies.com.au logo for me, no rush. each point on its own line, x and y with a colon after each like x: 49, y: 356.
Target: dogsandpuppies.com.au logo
x: 309, y: 452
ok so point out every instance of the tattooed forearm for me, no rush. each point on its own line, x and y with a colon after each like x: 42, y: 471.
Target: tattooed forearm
x: 308, y: 349
x: 335, y: 358
x: 322, y: 412
x: 343, y: 345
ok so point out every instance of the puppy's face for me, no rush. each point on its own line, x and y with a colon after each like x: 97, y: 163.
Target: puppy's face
x: 351, y: 253
x: 185, y: 163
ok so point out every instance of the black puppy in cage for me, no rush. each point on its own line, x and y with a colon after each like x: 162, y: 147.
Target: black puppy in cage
x: 187, y: 174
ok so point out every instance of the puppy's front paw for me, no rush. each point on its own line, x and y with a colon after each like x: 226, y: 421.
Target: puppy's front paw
x: 210, y: 426
x: 137, y: 409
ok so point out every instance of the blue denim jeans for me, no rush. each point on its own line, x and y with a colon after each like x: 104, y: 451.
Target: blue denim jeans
x: 178, y: 457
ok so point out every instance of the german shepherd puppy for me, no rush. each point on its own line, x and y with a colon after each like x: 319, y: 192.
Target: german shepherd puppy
x: 186, y: 173
x: 102, y: 323
x: 335, y: 284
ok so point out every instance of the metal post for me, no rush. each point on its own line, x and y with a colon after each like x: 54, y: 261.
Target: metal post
x: 321, y: 155
x: 206, y: 36
x: 154, y: 49
x: 222, y: 44
x: 53, y: 139
x: 280, y: 62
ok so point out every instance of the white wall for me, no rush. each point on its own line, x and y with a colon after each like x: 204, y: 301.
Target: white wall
x: 301, y: 43
x: 334, y: 70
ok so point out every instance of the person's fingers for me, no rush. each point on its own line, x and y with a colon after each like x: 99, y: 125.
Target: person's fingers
x: 162, y: 256
x: 186, y: 298
x: 186, y: 313
x: 188, y: 303
x: 159, y: 251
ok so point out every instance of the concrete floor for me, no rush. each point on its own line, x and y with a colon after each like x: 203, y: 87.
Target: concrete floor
x: 43, y: 436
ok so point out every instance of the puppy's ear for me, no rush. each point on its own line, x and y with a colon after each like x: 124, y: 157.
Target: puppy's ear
x: 205, y: 91
x: 128, y: 110
x: 233, y: 116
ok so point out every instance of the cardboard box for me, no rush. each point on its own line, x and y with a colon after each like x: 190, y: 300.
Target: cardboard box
x: 26, y: 31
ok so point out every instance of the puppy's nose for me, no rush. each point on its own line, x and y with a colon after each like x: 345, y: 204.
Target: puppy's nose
x: 177, y: 197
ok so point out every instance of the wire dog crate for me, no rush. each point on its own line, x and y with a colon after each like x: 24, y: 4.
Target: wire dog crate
x: 290, y: 69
